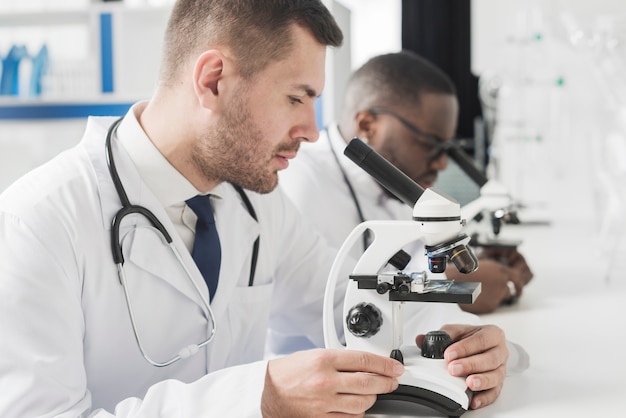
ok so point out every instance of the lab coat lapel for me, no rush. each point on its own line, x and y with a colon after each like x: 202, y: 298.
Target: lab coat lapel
x: 237, y: 231
x: 139, y: 243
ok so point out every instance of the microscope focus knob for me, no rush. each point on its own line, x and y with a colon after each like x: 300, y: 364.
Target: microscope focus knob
x: 364, y: 320
x: 383, y: 288
x: 404, y: 289
x: 435, y: 343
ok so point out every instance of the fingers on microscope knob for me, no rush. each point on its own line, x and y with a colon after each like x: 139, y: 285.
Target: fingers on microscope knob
x: 435, y: 343
x: 364, y: 320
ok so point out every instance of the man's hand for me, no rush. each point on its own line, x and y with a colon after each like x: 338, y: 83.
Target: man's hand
x: 496, y: 268
x: 326, y: 382
x: 513, y: 259
x: 494, y: 277
x: 479, y: 353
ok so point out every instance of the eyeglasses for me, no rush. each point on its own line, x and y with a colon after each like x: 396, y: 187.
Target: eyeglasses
x: 433, y: 145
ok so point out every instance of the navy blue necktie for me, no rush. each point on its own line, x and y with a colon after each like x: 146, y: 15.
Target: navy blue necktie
x: 207, y: 252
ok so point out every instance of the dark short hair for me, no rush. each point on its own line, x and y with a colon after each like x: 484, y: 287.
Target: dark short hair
x: 398, y: 78
x: 256, y: 31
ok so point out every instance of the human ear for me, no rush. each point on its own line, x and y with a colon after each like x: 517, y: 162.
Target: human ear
x: 207, y: 75
x: 365, y: 124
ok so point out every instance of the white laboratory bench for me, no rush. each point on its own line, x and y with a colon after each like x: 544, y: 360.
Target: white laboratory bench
x: 572, y: 322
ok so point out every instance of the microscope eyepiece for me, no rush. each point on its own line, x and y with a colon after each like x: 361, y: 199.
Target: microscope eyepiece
x: 389, y: 176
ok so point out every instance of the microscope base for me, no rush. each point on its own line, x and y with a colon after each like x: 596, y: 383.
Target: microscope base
x: 426, y: 398
x: 427, y: 382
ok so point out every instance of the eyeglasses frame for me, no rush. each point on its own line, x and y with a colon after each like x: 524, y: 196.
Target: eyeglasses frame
x: 437, y: 145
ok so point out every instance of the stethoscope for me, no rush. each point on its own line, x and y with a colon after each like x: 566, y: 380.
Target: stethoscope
x: 367, y: 238
x: 118, y: 258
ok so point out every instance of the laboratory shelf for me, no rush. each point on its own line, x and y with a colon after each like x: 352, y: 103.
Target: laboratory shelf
x: 30, y: 110
x: 103, y: 81
x: 43, y: 18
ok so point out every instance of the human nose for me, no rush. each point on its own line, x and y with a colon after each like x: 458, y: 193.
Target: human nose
x: 307, y: 130
x: 314, y: 134
x: 439, y: 162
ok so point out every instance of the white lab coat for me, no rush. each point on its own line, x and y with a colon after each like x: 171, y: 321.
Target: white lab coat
x: 67, y: 347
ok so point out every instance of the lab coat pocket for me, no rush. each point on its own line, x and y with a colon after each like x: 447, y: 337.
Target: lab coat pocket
x: 247, y: 316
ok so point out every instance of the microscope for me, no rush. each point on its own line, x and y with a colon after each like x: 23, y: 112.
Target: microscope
x: 375, y: 295
x: 494, y: 199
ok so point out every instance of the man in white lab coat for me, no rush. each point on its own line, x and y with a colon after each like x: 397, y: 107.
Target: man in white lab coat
x: 234, y: 102
x: 406, y: 109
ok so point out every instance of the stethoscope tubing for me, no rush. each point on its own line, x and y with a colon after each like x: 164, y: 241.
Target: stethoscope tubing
x: 118, y: 258
x: 348, y: 183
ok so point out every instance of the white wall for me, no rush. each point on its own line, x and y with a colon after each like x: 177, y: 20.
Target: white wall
x: 376, y: 28
x: 370, y: 27
x: 561, y: 66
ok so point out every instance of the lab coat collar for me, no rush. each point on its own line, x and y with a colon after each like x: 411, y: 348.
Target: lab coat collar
x: 168, y: 184
x: 237, y: 231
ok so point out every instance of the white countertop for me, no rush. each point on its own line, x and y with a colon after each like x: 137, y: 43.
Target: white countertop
x: 572, y: 322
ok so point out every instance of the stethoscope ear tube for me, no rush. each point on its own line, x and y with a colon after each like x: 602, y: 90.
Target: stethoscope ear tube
x: 111, y: 164
x: 118, y: 258
x: 116, y: 248
x: 127, y: 208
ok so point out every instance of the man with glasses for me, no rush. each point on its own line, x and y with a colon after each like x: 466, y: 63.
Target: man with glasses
x: 406, y: 109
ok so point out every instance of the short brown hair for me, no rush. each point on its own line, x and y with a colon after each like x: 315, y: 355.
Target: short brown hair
x: 256, y: 31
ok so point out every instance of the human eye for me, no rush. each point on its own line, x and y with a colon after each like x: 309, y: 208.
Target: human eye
x: 423, y: 143
x: 433, y: 142
x: 295, y: 100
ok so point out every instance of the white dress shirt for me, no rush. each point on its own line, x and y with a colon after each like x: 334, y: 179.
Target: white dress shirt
x: 169, y: 186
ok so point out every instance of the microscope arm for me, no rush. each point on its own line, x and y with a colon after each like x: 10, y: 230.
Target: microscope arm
x: 372, y: 260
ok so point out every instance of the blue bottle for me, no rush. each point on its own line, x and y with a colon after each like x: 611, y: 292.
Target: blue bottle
x: 9, y: 81
x: 39, y: 68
